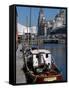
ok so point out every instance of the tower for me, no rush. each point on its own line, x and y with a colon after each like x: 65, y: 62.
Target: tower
x: 42, y: 29
x: 63, y: 15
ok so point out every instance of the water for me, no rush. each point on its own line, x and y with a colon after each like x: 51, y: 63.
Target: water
x: 59, y: 53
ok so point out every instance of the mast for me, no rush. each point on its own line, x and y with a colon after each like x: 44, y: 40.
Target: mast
x: 30, y: 17
x: 30, y: 29
x: 27, y: 30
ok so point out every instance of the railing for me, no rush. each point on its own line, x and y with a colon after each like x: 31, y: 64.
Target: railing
x: 40, y: 41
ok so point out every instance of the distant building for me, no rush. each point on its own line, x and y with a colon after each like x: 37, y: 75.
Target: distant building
x: 42, y: 26
x: 59, y: 33
x: 60, y: 19
x: 23, y: 30
x: 56, y: 28
x: 49, y: 24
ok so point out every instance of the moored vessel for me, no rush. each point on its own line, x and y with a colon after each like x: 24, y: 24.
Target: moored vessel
x: 39, y: 66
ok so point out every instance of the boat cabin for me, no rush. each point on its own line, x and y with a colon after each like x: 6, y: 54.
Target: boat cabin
x: 40, y: 66
x: 41, y: 57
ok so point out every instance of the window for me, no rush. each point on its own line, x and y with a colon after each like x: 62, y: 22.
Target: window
x: 37, y: 56
x: 46, y: 55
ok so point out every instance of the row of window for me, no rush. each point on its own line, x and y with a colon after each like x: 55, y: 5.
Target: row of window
x: 37, y: 56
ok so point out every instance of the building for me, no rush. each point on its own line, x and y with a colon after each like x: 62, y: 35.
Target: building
x: 42, y: 26
x: 24, y: 30
x: 57, y: 26
x: 60, y: 19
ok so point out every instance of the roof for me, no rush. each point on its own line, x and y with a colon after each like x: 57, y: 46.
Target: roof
x: 59, y: 30
x: 22, y: 29
x: 36, y: 51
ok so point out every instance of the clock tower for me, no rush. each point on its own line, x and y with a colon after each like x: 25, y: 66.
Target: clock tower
x: 42, y: 27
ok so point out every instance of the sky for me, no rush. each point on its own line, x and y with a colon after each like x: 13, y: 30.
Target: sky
x: 24, y: 14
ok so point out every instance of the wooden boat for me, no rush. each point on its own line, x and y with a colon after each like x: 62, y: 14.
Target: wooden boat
x: 40, y: 67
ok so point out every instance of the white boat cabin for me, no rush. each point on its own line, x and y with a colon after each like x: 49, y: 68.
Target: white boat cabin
x: 41, y: 56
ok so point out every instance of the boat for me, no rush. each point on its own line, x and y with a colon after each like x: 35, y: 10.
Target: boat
x: 39, y: 66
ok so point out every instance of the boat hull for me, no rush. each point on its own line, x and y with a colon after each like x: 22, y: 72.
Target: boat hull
x: 43, y: 78
x: 47, y: 76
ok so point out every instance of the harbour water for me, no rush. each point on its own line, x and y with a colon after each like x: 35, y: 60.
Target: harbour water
x: 59, y: 54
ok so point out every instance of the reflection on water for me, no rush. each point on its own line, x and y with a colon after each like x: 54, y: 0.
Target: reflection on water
x: 59, y: 53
